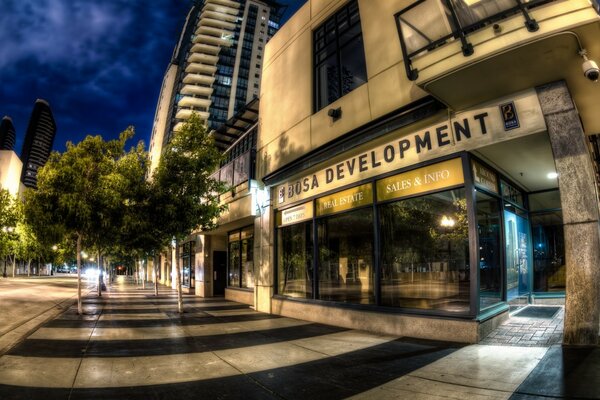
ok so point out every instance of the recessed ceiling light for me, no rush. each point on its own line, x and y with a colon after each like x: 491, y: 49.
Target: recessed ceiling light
x: 552, y: 175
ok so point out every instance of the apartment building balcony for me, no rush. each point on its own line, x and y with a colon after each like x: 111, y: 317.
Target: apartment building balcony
x: 465, y: 52
x: 203, y: 58
x: 205, y: 48
x: 220, y: 8
x: 227, y: 3
x: 214, y: 41
x: 212, y: 31
x: 197, y: 90
x: 189, y: 101
x: 217, y: 23
x: 199, y: 78
x: 214, y: 15
x: 186, y: 113
x: 200, y: 68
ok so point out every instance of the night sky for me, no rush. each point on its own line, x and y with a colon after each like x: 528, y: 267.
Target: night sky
x: 99, y: 63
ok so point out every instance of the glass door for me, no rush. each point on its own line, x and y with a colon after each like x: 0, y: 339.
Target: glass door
x: 516, y: 231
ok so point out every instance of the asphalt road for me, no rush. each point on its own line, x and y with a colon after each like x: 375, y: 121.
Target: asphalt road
x: 27, y: 302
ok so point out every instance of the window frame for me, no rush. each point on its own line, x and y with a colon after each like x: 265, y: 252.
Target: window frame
x: 337, y: 45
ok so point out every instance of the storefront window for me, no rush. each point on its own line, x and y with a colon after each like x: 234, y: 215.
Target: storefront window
x: 425, y: 252
x: 490, y: 263
x: 346, y: 270
x: 241, y: 258
x: 247, y: 257
x: 187, y: 253
x: 234, y: 262
x: 294, y: 260
x: 549, y: 269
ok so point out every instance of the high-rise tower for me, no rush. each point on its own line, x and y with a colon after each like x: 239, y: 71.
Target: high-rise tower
x: 38, y: 142
x: 216, y: 66
x: 7, y: 134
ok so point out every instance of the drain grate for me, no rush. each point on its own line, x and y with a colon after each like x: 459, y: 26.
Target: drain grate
x: 537, y: 312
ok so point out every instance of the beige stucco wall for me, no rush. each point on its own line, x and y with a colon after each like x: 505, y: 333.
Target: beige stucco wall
x: 10, y: 171
x: 288, y: 126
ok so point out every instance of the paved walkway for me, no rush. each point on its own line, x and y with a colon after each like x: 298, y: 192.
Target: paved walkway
x: 527, y: 331
x: 132, y: 345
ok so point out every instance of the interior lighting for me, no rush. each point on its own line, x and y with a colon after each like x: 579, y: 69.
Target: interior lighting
x: 552, y: 175
x: 447, y: 222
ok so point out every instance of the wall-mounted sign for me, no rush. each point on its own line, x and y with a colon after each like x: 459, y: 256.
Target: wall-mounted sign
x: 247, y: 232
x: 234, y: 236
x: 484, y: 177
x: 296, y: 214
x: 345, y: 200
x: 432, y: 177
x: 465, y: 131
x: 509, y: 116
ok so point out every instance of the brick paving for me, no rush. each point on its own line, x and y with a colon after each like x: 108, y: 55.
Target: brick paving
x: 528, y: 332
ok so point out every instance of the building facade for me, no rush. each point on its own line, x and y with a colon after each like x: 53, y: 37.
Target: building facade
x: 38, y: 142
x: 428, y: 166
x: 7, y: 134
x: 216, y: 66
x: 215, y: 72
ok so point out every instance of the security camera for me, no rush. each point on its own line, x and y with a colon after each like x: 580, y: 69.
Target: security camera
x: 590, y: 69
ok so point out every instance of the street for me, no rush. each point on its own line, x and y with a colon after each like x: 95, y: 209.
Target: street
x: 26, y: 302
x: 130, y: 344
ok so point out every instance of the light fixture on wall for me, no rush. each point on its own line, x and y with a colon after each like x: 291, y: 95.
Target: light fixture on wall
x: 552, y: 175
x: 335, y: 113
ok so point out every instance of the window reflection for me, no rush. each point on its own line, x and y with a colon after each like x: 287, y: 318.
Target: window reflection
x: 425, y: 252
x: 490, y: 265
x: 548, y: 252
x: 346, y: 257
x: 294, y: 260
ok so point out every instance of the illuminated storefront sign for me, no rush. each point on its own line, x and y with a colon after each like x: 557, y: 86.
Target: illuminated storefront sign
x: 295, y: 214
x: 433, y: 177
x: 463, y: 132
x: 345, y: 200
x: 484, y: 177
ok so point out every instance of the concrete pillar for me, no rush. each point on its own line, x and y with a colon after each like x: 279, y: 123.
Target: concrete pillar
x: 579, y: 201
x: 263, y: 258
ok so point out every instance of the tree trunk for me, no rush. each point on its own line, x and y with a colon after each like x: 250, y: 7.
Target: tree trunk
x: 79, y: 306
x: 155, y: 278
x: 99, y: 276
x: 14, y: 265
x: 143, y: 273
x: 178, y: 283
x: 29, y: 267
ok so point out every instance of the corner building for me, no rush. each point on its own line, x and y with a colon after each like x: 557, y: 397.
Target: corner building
x: 428, y: 166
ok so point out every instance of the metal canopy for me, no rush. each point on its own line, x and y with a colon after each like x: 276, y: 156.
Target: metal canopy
x: 228, y: 133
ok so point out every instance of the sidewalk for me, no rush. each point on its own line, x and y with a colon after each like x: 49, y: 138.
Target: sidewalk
x: 133, y: 345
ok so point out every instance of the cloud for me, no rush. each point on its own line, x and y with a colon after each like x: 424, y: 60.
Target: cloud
x: 98, y: 63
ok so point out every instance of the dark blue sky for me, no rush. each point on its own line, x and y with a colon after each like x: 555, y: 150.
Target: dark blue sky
x: 98, y: 63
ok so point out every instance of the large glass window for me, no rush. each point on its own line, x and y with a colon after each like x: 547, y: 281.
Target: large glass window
x: 187, y: 254
x: 346, y: 270
x: 549, y: 269
x: 489, y: 230
x: 425, y: 252
x: 339, y: 56
x: 241, y: 258
x: 294, y: 260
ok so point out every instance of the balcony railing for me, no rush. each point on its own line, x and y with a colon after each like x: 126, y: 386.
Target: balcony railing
x: 427, y: 24
x: 237, y: 171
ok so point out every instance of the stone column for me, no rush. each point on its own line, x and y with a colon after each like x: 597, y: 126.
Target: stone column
x: 579, y: 201
x: 263, y: 257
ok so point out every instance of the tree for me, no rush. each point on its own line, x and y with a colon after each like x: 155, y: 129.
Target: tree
x: 183, y: 197
x: 78, y: 195
x: 8, y: 223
